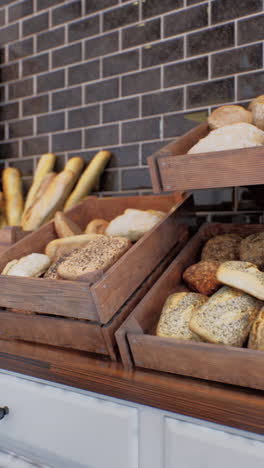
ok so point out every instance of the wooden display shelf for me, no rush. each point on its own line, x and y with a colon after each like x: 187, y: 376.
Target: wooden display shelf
x: 9, y: 236
x: 74, y: 314
x: 139, y: 345
x: 172, y: 169
x: 223, y: 404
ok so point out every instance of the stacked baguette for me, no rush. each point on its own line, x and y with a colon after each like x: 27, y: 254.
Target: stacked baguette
x: 49, y: 192
x: 227, y: 305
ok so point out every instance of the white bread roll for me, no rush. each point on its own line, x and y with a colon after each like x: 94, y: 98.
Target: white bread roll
x: 226, y: 318
x: 176, y: 315
x: 240, y: 135
x: 32, y: 265
x: 12, y: 188
x: 133, y: 224
x: 228, y: 115
x: 244, y: 276
x: 257, y: 108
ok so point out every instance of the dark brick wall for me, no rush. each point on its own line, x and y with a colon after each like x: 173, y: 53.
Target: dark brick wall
x: 78, y: 76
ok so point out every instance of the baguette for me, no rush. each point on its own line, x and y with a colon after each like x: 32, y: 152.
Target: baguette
x: 75, y: 165
x: 52, y: 200
x: 12, y: 187
x: 32, y: 265
x: 58, y: 247
x: 45, y: 165
x: 88, y: 179
x: 226, y: 318
x: 89, y: 263
x: 244, y: 276
x: 41, y: 190
x: 64, y: 226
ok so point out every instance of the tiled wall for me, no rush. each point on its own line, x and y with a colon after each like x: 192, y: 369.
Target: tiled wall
x: 78, y: 76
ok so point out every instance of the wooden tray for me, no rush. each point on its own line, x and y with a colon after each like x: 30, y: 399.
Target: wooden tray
x: 72, y: 314
x: 172, y: 169
x: 10, y: 235
x: 138, y: 344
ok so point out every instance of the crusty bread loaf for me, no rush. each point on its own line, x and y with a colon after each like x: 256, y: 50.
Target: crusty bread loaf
x: 88, y: 179
x: 240, y: 135
x: 244, y: 276
x: 45, y: 165
x: 96, y: 226
x: 226, y: 318
x: 46, y: 181
x: 52, y: 200
x: 59, y: 247
x: 201, y: 277
x: 176, y: 315
x: 228, y: 115
x: 64, y: 226
x: 256, y: 337
x: 222, y: 248
x: 12, y: 188
x: 251, y: 249
x: 133, y: 224
x: 257, y: 109
x: 89, y: 263
x: 32, y: 265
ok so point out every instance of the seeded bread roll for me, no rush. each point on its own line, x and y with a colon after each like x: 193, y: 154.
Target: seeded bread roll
x: 52, y: 272
x: 226, y: 318
x: 176, y: 315
x: 228, y: 115
x: 64, y: 226
x: 244, y: 276
x: 201, y: 277
x: 251, y: 250
x: 96, y: 226
x: 32, y: 265
x: 89, y: 264
x: 58, y: 247
x: 256, y: 337
x: 222, y: 248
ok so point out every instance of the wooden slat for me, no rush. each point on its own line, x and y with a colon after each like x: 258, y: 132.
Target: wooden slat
x: 134, y: 266
x: 66, y: 333
x: 222, y: 404
x: 65, y: 298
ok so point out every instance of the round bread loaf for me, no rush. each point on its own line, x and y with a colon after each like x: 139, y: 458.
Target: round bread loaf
x: 257, y: 108
x: 252, y: 250
x: 222, y: 248
x: 228, y: 115
x: 176, y: 315
x: 201, y: 277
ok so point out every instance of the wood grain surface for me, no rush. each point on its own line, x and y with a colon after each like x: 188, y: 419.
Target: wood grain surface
x: 222, y: 404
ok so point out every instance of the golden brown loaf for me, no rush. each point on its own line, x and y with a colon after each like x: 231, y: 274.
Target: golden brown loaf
x: 252, y: 249
x: 89, y: 263
x: 32, y: 265
x: 64, y: 226
x: 226, y: 318
x: 12, y: 188
x: 244, y: 276
x: 59, y: 247
x: 257, y: 109
x: 228, y: 115
x: 176, y: 315
x: 88, y: 179
x: 45, y: 165
x: 201, y: 277
x: 222, y: 248
x: 256, y: 337
x: 75, y: 165
x: 96, y: 226
x: 52, y: 201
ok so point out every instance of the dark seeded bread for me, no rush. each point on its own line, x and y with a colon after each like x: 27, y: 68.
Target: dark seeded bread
x: 222, y: 248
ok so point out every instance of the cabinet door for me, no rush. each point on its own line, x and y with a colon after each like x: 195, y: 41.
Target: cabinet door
x: 192, y: 446
x: 86, y: 431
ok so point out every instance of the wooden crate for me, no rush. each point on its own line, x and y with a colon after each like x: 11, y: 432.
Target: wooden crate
x: 138, y: 344
x: 72, y: 314
x: 172, y: 169
x: 10, y: 235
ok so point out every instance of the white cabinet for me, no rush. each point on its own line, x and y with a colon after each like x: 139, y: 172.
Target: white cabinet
x: 62, y: 427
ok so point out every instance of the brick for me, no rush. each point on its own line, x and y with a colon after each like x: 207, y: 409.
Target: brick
x: 101, y: 136
x: 66, y: 141
x: 162, y: 52
x: 84, y: 28
x: 186, y: 20
x: 156, y: 7
x: 35, y: 24
x: 250, y: 85
x: 186, y: 72
x: 19, y: 10
x: 47, y: 3
x: 50, y: 123
x: 70, y: 97
x: 36, y: 105
x: 31, y: 146
x: 141, y: 82
x: 50, y: 81
x: 25, y: 166
x: 212, y: 39
x: 101, y: 45
x: 101, y: 91
x: 89, y: 71
x: 176, y: 125
x: 84, y: 116
x: 93, y: 5
x: 141, y: 33
x: 9, y: 34
x: 250, y: 29
x: 237, y: 60
x: 120, y: 63
x: 50, y: 39
x: 9, y: 72
x: 162, y: 102
x: 22, y: 128
x: 134, y: 179
x: 67, y: 12
x: 123, y: 156
x: 21, y: 88
x: 121, y: 110
x: 36, y: 64
x: 109, y: 181
x: 121, y: 16
x: 20, y: 49
x: 8, y: 111
x: 9, y: 150
x: 143, y: 129
x: 150, y: 148
x: 209, y: 93
x: 223, y: 10
x: 66, y: 55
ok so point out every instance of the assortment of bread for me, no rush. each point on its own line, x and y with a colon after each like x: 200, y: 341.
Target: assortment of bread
x: 233, y: 127
x: 49, y: 192
x: 232, y: 312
